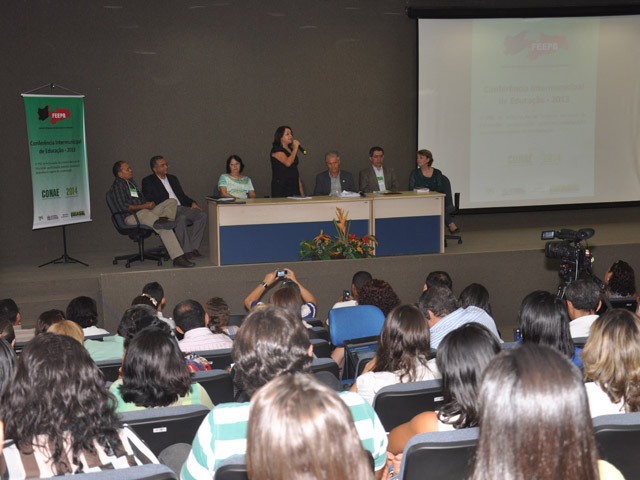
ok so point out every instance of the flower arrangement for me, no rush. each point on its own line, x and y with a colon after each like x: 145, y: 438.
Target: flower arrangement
x: 342, y: 245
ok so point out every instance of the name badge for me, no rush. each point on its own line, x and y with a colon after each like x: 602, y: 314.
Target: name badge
x: 133, y: 192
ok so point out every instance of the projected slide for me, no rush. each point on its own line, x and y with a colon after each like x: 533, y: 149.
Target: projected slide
x: 527, y: 112
x: 533, y: 106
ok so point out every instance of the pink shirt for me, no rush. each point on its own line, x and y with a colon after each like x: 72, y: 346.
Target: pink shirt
x: 200, y: 339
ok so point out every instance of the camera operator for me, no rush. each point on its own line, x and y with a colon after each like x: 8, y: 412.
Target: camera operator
x: 583, y: 301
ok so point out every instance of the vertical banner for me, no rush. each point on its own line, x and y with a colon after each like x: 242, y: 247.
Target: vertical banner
x: 59, y: 173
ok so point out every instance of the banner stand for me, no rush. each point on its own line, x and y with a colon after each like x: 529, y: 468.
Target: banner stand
x: 64, y: 258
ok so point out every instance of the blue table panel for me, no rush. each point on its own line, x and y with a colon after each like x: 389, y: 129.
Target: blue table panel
x: 276, y: 242
x: 408, y: 235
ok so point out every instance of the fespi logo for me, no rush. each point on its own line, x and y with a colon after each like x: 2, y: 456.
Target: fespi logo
x: 547, y: 44
x: 56, y: 116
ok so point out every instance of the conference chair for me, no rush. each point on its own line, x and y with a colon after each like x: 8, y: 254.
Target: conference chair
x: 351, y: 323
x: 618, y: 437
x: 580, y: 341
x: 218, y: 359
x: 217, y: 383
x: 110, y: 369
x: 236, y: 319
x: 451, y: 207
x: 397, y: 404
x: 441, y: 455
x: 325, y: 365
x: 321, y: 348
x: 151, y: 471
x: 166, y: 426
x: 137, y: 233
x: 234, y: 468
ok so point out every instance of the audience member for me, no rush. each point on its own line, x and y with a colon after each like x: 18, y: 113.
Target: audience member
x: 154, y: 374
x: 299, y: 428
x: 48, y: 318
x: 112, y: 347
x: 219, y: 312
x: 84, y: 312
x: 611, y: 359
x: 191, y: 320
x: 68, y: 328
x: 438, y: 277
x: 376, y: 177
x: 10, y: 311
x: 476, y: 295
x: 621, y: 280
x: 462, y: 357
x: 334, y: 180
x: 155, y: 291
x: 379, y: 293
x: 144, y: 300
x: 402, y: 356
x: 444, y: 313
x: 544, y: 320
x: 271, y: 342
x: 7, y: 332
x: 308, y: 309
x: 71, y: 428
x: 351, y: 300
x: 7, y: 363
x: 534, y: 420
x: 583, y: 301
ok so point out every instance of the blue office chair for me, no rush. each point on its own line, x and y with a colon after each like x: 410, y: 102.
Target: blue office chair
x: 349, y: 323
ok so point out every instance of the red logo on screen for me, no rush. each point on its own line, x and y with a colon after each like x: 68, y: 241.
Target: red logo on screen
x: 56, y: 116
x: 547, y: 44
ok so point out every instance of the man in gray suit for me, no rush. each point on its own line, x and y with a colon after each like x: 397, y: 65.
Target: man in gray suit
x: 334, y: 180
x: 377, y: 178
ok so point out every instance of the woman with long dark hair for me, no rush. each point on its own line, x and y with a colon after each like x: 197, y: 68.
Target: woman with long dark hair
x: 462, y: 356
x: 60, y: 417
x: 544, y: 319
x: 285, y: 179
x: 402, y: 356
x: 154, y: 374
x: 534, y: 420
x: 620, y: 280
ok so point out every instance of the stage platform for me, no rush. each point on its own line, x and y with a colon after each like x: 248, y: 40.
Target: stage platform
x: 502, y: 251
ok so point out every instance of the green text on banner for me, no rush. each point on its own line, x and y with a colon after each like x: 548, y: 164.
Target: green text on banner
x: 58, y: 152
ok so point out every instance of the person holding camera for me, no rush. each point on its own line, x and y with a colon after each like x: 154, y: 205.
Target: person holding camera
x: 309, y: 302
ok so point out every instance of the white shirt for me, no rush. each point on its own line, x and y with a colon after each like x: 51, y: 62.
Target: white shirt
x: 599, y: 402
x: 167, y: 186
x: 380, y: 176
x: 371, y: 382
x: 581, y: 326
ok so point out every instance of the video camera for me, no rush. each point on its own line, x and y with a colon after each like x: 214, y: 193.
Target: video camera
x: 574, y: 258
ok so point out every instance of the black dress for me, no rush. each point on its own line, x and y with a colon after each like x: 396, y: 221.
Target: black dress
x: 284, y: 180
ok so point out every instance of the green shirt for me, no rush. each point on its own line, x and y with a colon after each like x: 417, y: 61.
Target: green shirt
x: 197, y: 396
x: 110, y: 348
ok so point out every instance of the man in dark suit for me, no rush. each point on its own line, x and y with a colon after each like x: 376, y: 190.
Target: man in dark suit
x: 376, y: 177
x: 334, y: 180
x: 160, y: 186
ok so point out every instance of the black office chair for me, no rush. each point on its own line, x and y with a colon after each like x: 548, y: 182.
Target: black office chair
x: 451, y: 207
x: 440, y: 455
x: 397, y: 404
x: 321, y: 348
x: 137, y: 233
x: 618, y: 437
x: 110, y: 369
x: 325, y: 365
x: 151, y: 471
x: 218, y: 359
x: 234, y: 468
x: 166, y: 426
x: 217, y: 383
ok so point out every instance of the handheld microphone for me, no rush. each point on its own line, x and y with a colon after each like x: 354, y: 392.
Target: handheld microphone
x: 302, y: 149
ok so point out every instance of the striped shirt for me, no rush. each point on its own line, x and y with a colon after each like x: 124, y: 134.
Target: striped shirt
x: 202, y: 339
x: 223, y: 434
x: 458, y: 318
x: 16, y: 465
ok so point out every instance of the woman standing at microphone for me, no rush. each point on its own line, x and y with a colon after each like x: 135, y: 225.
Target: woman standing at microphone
x: 285, y: 179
